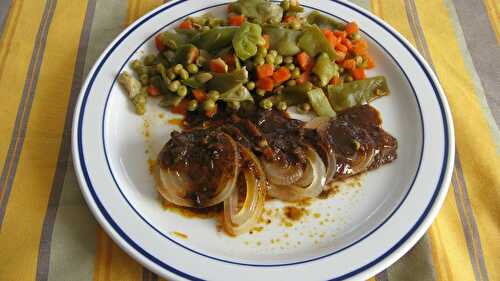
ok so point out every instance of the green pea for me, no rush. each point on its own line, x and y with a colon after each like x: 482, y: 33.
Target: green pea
x: 192, y: 105
x: 355, y: 36
x: 178, y: 68
x: 306, y: 107
x: 261, y: 51
x: 269, y: 58
x: 192, y: 68
x: 290, y: 66
x: 273, y: 53
x: 261, y: 92
x: 171, y: 44
x: 348, y: 78
x: 183, y: 74
x: 266, y: 104
x: 295, y: 25
x: 308, y: 85
x: 149, y: 60
x: 174, y: 85
x: 282, y: 106
x: 182, y: 91
x: 278, y: 60
x: 209, y: 105
x: 288, y: 59
x: 213, y: 95
x: 234, y: 105
x: 144, y: 78
x: 358, y: 60
x: 250, y: 85
x: 296, y: 73
x: 285, y: 4
x: 291, y: 83
x: 259, y: 60
x: 137, y: 65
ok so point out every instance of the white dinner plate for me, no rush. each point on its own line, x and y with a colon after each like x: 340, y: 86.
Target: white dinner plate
x: 353, y: 235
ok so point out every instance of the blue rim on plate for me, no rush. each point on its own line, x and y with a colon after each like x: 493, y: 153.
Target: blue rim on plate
x: 153, y: 259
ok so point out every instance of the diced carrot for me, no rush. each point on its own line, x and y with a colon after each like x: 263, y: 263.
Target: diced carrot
x: 264, y: 70
x: 351, y: 28
x: 211, y: 113
x: 267, y: 38
x: 153, y: 91
x: 330, y: 37
x: 305, y: 62
x: 218, y: 65
x: 288, y: 19
x: 370, y: 62
x: 349, y: 64
x: 341, y: 47
x: 304, y: 77
x: 199, y: 95
x: 265, y: 83
x: 335, y: 80
x: 159, y: 43
x: 346, y: 42
x: 340, y: 33
x: 236, y: 20
x: 187, y: 24
x: 360, y: 47
x: 229, y: 59
x: 281, y: 75
x: 181, y: 108
x: 358, y: 74
x: 340, y: 56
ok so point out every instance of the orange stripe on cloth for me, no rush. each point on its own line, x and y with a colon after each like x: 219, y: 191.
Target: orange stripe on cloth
x: 21, y: 228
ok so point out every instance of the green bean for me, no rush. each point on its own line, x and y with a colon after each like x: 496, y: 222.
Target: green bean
x: 282, y: 106
x: 266, y: 104
x: 182, y: 91
x: 209, y: 105
x: 250, y: 85
x: 213, y: 95
x: 192, y: 105
x: 174, y: 85
x: 192, y: 68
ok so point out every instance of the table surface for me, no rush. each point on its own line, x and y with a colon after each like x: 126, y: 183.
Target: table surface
x: 46, y: 49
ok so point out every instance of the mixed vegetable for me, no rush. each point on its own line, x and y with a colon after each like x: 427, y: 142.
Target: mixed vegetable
x: 264, y: 54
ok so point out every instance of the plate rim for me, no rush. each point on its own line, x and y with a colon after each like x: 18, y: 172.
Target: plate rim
x: 396, y: 251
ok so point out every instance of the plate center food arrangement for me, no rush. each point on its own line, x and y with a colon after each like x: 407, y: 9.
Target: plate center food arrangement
x: 284, y: 136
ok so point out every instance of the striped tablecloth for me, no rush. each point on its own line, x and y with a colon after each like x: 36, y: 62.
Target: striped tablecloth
x: 46, y: 49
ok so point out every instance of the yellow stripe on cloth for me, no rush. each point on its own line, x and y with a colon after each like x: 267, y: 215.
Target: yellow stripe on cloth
x: 475, y: 143
x: 394, y: 12
x: 493, y: 10
x: 16, y: 48
x: 21, y: 228
x: 112, y: 263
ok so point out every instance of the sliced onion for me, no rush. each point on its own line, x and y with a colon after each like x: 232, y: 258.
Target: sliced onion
x: 360, y: 161
x: 239, y: 220
x: 175, y: 188
x: 281, y: 174
x: 315, y: 170
x: 318, y: 123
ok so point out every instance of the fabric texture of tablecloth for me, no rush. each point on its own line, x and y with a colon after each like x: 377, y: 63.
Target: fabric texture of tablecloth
x: 47, y: 48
